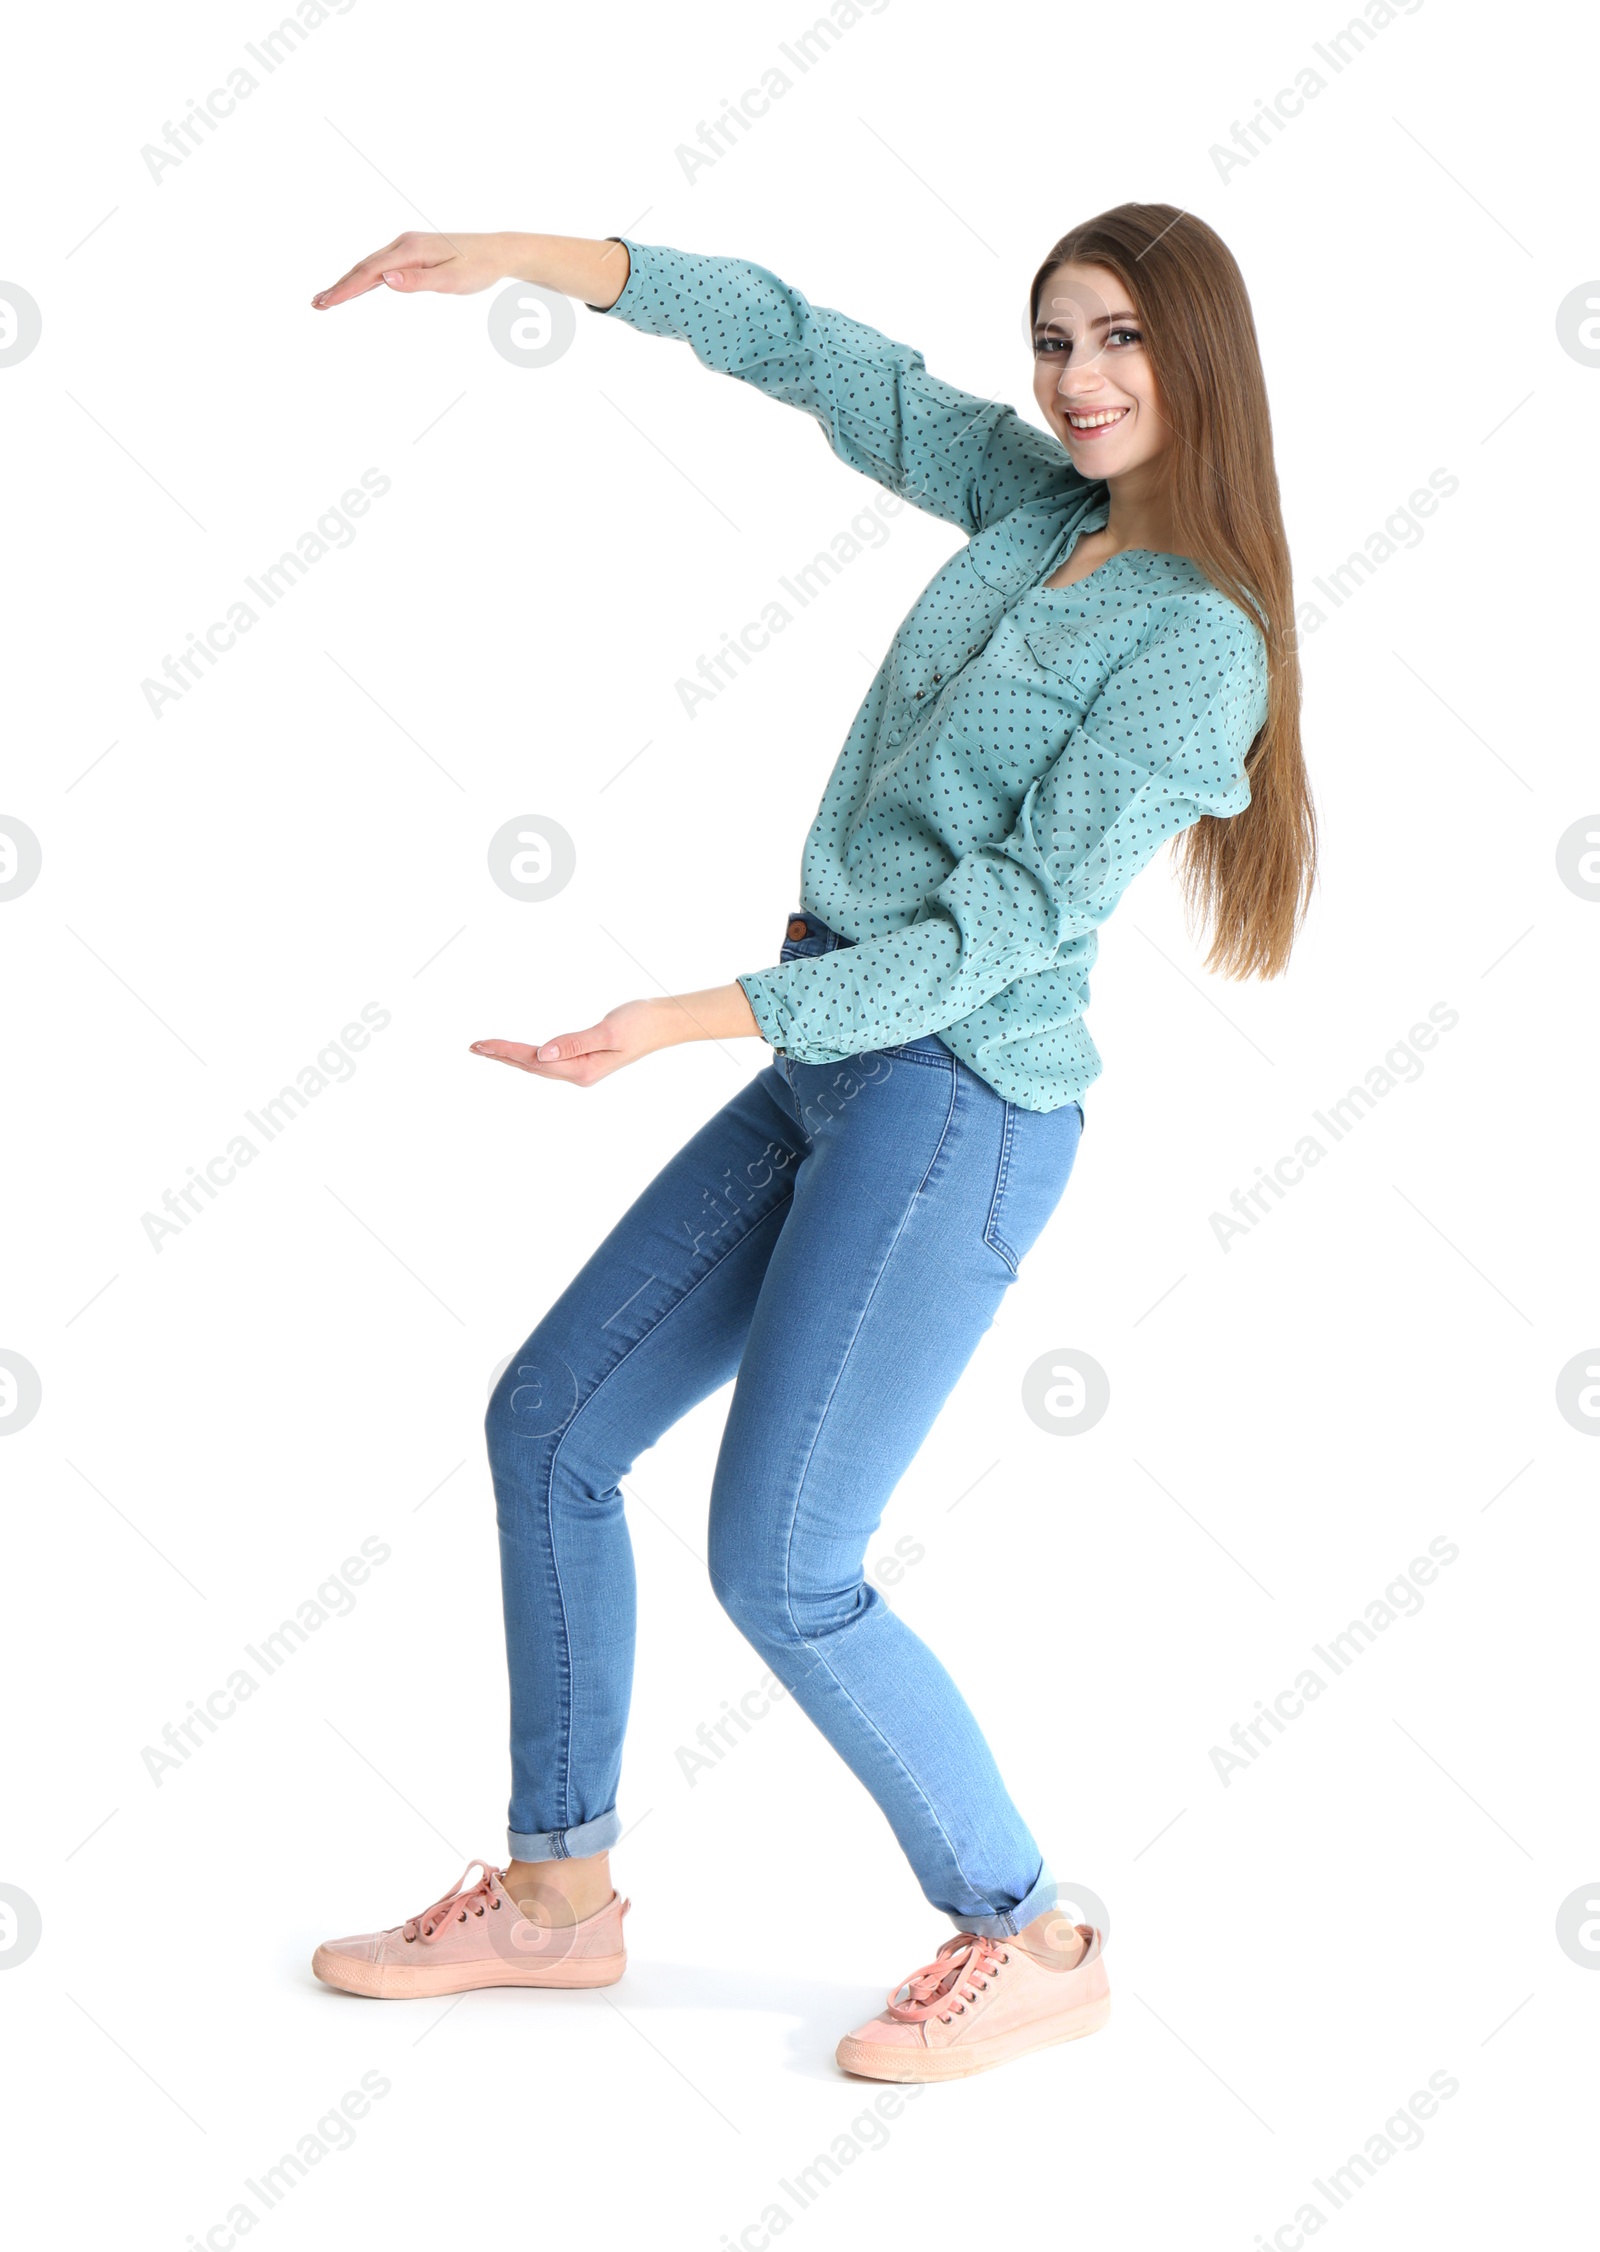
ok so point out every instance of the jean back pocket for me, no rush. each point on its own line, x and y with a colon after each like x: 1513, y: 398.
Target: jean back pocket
x: 1037, y: 1152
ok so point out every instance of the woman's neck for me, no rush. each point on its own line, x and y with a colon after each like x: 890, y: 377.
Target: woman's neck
x: 1140, y: 515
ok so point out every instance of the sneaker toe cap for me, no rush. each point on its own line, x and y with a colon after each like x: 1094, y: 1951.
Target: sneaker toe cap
x: 889, y: 2033
x: 361, y: 1947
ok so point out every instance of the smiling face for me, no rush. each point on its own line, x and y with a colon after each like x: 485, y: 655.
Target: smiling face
x: 1091, y: 375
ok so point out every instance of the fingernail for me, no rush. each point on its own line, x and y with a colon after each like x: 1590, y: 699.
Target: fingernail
x: 550, y: 1052
x: 395, y: 277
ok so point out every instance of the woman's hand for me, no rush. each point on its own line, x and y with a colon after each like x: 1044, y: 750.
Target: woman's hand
x: 625, y: 1034
x: 460, y: 265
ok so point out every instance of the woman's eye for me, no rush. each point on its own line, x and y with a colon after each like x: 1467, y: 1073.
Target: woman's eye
x: 1043, y: 344
x: 1131, y: 334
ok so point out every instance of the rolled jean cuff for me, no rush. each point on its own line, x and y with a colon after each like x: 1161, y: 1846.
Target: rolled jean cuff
x: 1040, y: 1895
x: 566, y: 1845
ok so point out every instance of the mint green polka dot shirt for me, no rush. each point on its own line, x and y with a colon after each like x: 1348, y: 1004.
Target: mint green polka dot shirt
x: 1024, y: 750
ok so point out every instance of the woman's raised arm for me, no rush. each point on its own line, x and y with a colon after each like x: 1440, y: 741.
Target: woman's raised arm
x: 459, y: 265
x: 967, y: 459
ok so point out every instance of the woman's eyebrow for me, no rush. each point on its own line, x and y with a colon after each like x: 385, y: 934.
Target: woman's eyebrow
x: 1101, y: 320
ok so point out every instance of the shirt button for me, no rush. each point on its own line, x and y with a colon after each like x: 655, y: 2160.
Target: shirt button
x: 798, y: 929
x: 936, y: 680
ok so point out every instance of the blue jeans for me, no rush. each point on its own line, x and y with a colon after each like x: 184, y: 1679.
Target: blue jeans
x: 834, y: 1242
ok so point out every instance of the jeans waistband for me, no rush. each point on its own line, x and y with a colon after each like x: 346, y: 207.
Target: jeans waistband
x: 807, y: 935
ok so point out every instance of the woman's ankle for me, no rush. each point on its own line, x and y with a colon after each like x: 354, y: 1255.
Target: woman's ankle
x: 559, y: 1892
x: 1053, y: 1939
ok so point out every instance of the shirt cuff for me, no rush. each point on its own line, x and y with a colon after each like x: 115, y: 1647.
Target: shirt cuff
x: 628, y: 296
x: 771, y: 1013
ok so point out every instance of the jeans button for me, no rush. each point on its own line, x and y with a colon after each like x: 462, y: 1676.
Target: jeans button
x: 798, y: 929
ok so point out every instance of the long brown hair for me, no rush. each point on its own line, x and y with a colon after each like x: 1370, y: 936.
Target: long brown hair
x: 1250, y: 877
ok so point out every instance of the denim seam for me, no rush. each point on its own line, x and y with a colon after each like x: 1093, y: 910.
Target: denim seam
x: 991, y: 1234
x: 549, y: 1494
x: 806, y: 1643
x: 907, y: 1054
x: 944, y: 1136
x: 564, y: 1653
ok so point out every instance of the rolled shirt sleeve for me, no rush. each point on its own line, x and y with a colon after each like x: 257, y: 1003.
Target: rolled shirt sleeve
x: 1162, y: 744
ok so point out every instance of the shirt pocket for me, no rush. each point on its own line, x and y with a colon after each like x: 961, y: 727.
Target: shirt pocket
x: 1076, y: 663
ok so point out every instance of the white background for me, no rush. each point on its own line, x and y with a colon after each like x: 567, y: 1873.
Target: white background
x: 1292, y: 1420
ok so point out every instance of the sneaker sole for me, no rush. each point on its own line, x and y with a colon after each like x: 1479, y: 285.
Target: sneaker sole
x: 875, y: 2060
x: 398, y: 1982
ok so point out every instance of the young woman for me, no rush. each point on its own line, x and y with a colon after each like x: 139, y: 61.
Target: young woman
x: 1106, y: 665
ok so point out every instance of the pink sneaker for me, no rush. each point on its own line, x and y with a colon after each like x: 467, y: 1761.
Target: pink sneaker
x: 980, y: 2002
x: 476, y: 1936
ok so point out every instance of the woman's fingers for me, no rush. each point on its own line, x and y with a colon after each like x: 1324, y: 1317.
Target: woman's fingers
x: 367, y: 275
x: 406, y: 263
x: 506, y: 1051
x: 622, y: 1036
x: 569, y: 1047
x: 582, y: 1056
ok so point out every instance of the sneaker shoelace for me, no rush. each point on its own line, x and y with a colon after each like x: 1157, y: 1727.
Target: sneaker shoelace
x: 961, y: 1969
x: 456, y: 1906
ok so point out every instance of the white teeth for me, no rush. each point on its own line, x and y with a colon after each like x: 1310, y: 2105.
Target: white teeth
x: 1094, y: 421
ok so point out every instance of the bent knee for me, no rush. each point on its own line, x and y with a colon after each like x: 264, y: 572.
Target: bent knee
x: 534, y: 1401
x: 753, y: 1610
x: 749, y: 1586
x: 769, y: 1609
